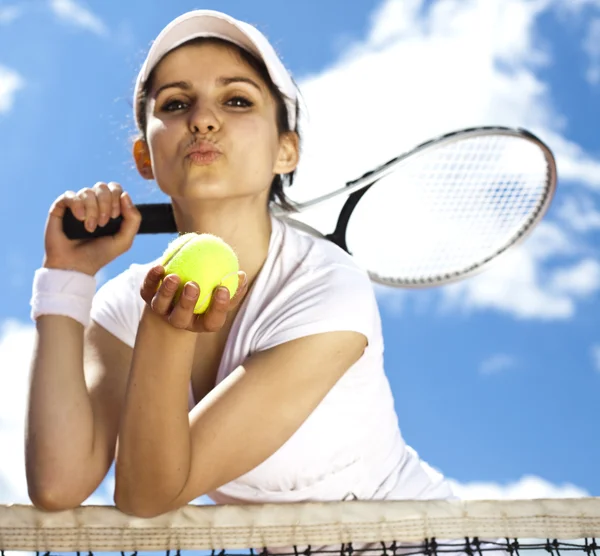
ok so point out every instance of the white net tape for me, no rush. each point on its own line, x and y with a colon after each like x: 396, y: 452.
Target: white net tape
x: 93, y: 528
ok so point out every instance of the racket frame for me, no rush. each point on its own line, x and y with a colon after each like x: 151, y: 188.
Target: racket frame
x: 357, y: 188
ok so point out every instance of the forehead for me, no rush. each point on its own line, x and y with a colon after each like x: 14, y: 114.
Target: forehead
x: 203, y: 59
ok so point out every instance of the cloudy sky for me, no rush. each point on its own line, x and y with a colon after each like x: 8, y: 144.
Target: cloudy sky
x: 496, y: 379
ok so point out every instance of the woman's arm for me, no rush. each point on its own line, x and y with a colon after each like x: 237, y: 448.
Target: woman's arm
x: 77, y: 378
x: 167, y: 458
x: 72, y: 416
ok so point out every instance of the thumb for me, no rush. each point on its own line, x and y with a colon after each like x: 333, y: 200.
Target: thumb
x: 54, y: 222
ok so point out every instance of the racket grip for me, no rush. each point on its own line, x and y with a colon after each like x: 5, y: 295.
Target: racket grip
x: 157, y: 218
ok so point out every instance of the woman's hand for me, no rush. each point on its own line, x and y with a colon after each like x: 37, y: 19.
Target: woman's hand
x: 94, y: 206
x: 160, y: 299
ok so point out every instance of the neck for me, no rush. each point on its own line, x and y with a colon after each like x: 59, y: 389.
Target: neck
x: 246, y: 228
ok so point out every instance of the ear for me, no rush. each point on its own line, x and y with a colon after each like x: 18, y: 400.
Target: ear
x: 289, y: 153
x: 141, y: 155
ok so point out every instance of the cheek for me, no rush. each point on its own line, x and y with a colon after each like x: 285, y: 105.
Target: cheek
x: 260, y: 136
x: 157, y: 135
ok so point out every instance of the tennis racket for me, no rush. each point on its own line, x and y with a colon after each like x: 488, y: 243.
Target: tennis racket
x: 434, y: 215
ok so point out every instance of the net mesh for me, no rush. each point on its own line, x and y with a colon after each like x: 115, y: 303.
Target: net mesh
x: 355, y: 527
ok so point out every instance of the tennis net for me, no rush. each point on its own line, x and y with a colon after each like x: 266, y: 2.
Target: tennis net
x: 549, y: 526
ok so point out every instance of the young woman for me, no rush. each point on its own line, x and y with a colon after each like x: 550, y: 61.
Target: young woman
x: 278, y: 395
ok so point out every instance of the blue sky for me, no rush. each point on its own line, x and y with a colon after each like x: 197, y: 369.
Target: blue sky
x: 497, y: 378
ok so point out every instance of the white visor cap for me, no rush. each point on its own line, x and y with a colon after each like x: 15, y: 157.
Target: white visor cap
x: 209, y: 23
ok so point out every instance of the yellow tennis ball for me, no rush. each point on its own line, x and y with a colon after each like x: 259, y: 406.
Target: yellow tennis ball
x: 205, y: 259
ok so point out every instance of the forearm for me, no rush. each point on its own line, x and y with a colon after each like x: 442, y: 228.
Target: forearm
x: 153, y: 456
x: 60, y: 423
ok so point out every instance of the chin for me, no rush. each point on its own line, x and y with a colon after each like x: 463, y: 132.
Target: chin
x: 201, y: 189
x: 209, y: 188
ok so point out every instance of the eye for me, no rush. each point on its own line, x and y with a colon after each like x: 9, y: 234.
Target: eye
x: 239, y: 102
x: 174, y: 105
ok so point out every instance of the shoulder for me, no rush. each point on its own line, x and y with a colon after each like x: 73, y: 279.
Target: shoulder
x: 302, y: 248
x: 312, y: 286
x: 320, y: 264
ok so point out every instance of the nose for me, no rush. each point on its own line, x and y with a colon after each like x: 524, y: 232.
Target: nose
x: 203, y: 119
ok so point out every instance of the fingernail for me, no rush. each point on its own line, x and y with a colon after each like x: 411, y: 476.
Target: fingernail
x: 170, y: 283
x: 190, y: 291
x: 223, y: 294
x: 91, y: 224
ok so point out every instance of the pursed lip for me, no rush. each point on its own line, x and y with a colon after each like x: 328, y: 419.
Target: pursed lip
x: 202, y: 147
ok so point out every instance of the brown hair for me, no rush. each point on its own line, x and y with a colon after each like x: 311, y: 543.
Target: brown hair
x: 276, y: 193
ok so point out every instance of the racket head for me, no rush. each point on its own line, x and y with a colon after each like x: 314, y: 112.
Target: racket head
x: 449, y: 208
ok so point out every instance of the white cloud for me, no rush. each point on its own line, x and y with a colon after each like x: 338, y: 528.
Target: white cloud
x: 528, y: 487
x: 591, y: 46
x: 579, y: 280
x: 497, y: 363
x: 8, y: 14
x: 74, y: 13
x: 580, y: 213
x: 426, y: 69
x: 417, y: 75
x: 16, y: 348
x: 595, y: 352
x: 10, y: 83
x: 519, y: 284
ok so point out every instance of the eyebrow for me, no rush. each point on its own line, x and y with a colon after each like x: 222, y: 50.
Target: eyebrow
x: 222, y: 82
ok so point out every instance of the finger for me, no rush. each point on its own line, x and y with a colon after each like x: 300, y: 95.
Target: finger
x: 151, y: 283
x: 90, y: 202
x: 116, y: 191
x: 182, y: 314
x: 72, y: 201
x: 241, y: 290
x: 131, y: 218
x: 130, y: 225
x: 104, y: 202
x: 162, y: 301
x: 216, y: 315
x: 123, y: 240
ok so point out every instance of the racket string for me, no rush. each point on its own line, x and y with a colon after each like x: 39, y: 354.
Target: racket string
x: 453, y: 208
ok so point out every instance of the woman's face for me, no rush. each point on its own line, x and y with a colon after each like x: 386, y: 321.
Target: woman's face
x: 212, y: 128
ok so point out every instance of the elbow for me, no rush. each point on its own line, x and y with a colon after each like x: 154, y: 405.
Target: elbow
x: 55, y: 492
x: 138, y: 508
x: 147, y: 495
x: 135, y: 499
x: 138, y: 504
x: 54, y: 499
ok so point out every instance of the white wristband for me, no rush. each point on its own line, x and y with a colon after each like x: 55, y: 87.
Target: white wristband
x: 63, y: 292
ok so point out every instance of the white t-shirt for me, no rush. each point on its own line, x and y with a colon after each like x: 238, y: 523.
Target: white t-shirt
x: 350, y: 446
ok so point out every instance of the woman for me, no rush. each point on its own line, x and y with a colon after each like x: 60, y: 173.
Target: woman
x: 276, y: 395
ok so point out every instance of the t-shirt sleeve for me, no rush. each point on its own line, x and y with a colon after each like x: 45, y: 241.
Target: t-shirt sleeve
x: 335, y: 298
x: 118, y: 306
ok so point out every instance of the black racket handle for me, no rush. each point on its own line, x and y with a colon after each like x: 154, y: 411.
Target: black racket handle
x: 157, y: 218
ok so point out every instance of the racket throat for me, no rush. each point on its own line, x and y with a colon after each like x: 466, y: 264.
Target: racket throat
x: 338, y: 236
